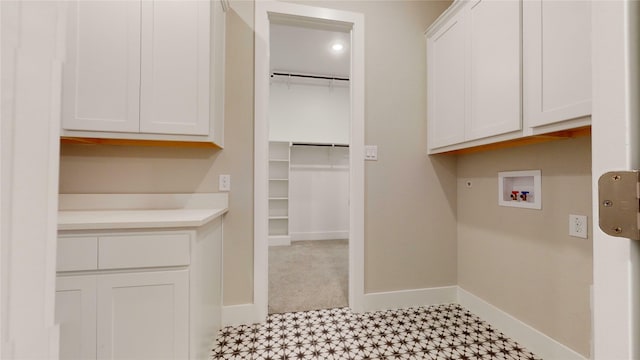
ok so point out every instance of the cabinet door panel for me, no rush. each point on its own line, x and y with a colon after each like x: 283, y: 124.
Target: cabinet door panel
x: 557, y: 49
x: 101, y: 81
x: 76, y: 315
x: 143, y: 315
x: 494, y: 68
x: 175, y: 67
x: 446, y: 84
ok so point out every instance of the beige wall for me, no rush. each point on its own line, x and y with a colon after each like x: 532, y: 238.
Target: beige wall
x: 410, y: 199
x: 410, y: 239
x: 523, y: 261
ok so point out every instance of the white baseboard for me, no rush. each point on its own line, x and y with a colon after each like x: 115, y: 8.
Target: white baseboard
x: 534, y: 340
x: 242, y: 314
x: 410, y: 298
x: 320, y: 235
x: 284, y: 240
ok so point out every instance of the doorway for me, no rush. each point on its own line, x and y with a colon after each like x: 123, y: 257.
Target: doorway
x: 351, y: 24
x: 308, y: 115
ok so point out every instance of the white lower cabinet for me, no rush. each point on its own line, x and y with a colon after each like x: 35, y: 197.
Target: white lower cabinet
x: 143, y: 315
x: 139, y: 294
x: 124, y: 316
x: 76, y: 313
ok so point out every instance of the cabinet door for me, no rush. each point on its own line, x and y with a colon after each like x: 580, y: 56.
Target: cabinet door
x: 143, y: 315
x: 493, y: 68
x: 76, y: 315
x: 101, y: 77
x: 446, y: 83
x: 175, y: 67
x: 557, y: 61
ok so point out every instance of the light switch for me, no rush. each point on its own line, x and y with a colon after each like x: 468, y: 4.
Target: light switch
x: 371, y: 152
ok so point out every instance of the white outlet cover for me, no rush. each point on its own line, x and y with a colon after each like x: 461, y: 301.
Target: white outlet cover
x: 578, y: 226
x: 224, y: 183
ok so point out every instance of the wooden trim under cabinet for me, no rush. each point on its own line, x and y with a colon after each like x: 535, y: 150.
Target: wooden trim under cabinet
x: 131, y: 142
x: 535, y: 139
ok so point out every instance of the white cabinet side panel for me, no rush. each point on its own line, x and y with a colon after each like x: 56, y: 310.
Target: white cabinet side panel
x: 205, y: 288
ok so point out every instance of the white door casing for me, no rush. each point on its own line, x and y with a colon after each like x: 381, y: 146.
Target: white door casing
x: 264, y: 9
x: 615, y: 146
x: 32, y: 54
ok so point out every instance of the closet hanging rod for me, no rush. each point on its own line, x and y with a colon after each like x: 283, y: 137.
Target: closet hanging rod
x: 319, y: 144
x: 323, y: 77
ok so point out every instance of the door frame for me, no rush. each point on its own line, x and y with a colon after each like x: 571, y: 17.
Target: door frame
x: 264, y: 9
x: 615, y: 146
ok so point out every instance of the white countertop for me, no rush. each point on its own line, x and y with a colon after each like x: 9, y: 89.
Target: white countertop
x: 135, y: 219
x: 139, y: 211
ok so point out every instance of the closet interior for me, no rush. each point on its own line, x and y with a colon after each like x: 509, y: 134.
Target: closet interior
x: 309, y: 117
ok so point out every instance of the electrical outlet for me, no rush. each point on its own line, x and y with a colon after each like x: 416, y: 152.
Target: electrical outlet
x: 371, y: 152
x: 224, y: 183
x: 578, y: 226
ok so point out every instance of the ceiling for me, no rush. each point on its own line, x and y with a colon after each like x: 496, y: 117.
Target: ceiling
x: 308, y: 50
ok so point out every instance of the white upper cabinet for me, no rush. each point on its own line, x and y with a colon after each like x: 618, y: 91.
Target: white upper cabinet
x: 144, y: 70
x: 510, y: 69
x: 473, y: 72
x: 446, y: 85
x: 493, y: 61
x: 557, y: 61
x: 101, y: 83
x: 175, y: 67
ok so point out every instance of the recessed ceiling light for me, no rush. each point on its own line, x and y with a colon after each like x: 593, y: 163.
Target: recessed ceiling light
x: 337, y: 47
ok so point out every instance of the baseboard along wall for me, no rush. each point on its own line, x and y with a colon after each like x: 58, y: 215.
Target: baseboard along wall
x: 534, y: 340
x: 319, y: 235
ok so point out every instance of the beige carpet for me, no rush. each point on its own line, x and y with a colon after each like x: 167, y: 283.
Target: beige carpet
x: 308, y: 275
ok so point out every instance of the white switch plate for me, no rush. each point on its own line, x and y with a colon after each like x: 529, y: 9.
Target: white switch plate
x: 371, y: 152
x: 224, y: 183
x: 578, y: 226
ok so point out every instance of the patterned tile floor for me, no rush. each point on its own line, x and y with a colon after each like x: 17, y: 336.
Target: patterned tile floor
x: 435, y: 332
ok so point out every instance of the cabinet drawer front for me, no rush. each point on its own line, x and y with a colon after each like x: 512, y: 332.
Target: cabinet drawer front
x: 149, y: 250
x: 77, y: 253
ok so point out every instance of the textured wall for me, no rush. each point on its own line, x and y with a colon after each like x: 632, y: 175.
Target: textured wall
x: 523, y: 261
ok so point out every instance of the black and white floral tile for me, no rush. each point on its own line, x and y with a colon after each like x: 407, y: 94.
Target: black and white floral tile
x: 434, y: 332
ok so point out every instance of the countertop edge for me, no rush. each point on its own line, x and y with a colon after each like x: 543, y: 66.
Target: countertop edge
x: 140, y: 224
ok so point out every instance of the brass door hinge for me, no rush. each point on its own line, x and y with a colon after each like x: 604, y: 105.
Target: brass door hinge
x: 619, y: 203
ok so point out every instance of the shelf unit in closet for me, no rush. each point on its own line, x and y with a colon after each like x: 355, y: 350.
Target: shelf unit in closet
x: 279, y: 156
